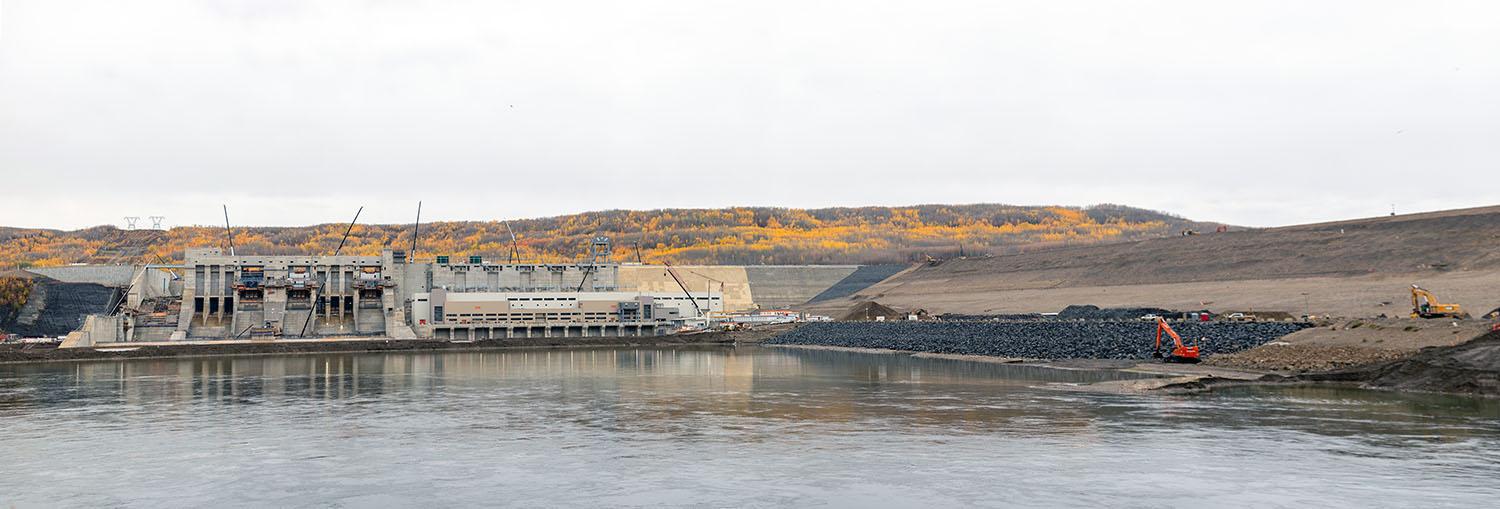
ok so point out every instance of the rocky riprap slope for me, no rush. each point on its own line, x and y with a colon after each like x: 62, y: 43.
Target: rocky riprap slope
x: 1033, y: 339
x: 54, y: 308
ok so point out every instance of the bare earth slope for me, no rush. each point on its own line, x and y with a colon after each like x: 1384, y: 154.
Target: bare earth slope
x: 1346, y: 268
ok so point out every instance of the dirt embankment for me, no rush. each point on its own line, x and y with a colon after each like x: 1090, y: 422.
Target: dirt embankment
x: 14, y: 353
x: 1358, y: 268
x: 1469, y: 368
x: 1351, y: 343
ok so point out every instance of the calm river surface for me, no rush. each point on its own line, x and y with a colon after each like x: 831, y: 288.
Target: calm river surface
x: 709, y: 427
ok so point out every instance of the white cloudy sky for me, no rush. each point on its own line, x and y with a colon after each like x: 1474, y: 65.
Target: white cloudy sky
x: 297, y: 112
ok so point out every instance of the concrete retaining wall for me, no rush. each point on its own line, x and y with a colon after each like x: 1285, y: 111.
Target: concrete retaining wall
x: 736, y: 289
x: 743, y: 287
x: 784, y: 286
x: 117, y: 276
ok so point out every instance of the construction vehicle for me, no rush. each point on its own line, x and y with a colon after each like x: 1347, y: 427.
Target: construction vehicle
x: 1240, y: 317
x: 1426, y: 305
x: 1181, y: 354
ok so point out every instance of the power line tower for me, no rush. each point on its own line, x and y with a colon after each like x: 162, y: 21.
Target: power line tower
x: 130, y: 222
x: 156, y: 222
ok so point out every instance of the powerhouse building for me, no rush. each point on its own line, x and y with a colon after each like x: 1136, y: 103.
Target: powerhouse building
x: 218, y: 295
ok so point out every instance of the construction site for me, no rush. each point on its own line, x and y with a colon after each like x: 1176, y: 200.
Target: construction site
x: 215, y: 294
x: 1295, y: 299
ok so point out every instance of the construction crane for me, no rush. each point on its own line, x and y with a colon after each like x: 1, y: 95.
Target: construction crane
x: 678, y: 278
x: 1425, y: 305
x: 1180, y: 353
x: 415, y: 227
x: 638, y: 241
x: 302, y: 280
x: 515, y: 253
x: 711, y: 282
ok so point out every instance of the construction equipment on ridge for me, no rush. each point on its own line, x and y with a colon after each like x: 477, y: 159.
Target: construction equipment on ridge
x: 1180, y: 353
x: 1425, y: 305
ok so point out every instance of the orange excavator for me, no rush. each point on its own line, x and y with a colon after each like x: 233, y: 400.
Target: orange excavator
x: 1180, y: 354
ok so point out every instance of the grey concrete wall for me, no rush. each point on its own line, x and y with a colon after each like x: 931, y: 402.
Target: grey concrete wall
x: 783, y: 286
x: 861, y: 279
x: 108, y: 275
x: 746, y: 287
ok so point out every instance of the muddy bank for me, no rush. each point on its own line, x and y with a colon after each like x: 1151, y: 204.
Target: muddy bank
x: 1469, y: 368
x: 1349, y: 344
x: 11, y: 353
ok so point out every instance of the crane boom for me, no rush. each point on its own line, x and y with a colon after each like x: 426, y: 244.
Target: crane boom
x: 228, y: 232
x: 675, y: 277
x: 347, y: 231
x: 415, y: 230
x: 515, y: 254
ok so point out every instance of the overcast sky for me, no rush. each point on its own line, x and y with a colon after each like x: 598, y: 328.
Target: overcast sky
x: 297, y: 112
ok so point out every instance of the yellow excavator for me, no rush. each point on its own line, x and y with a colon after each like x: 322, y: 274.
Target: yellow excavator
x: 1425, y: 305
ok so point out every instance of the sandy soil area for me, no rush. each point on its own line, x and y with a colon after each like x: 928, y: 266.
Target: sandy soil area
x: 1357, y: 268
x: 1350, y: 343
x: 1363, y: 296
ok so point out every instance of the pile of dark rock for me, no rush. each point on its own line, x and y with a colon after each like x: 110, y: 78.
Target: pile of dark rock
x: 1090, y: 312
x: 55, y: 308
x: 1077, y: 312
x: 1035, y: 339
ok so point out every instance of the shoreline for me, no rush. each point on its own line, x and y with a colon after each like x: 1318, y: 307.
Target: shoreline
x: 1187, y: 379
x: 1126, y: 365
x: 1438, y: 370
x: 14, y: 354
x: 125, y: 351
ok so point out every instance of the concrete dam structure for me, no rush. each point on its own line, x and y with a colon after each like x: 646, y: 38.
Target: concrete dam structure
x: 214, y: 295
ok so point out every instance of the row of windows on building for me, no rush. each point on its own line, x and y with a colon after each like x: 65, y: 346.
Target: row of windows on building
x: 526, y: 317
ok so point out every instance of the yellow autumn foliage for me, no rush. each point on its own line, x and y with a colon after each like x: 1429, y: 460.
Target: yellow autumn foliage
x: 739, y: 235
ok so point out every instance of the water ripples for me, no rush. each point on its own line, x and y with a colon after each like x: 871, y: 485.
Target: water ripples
x: 691, y: 427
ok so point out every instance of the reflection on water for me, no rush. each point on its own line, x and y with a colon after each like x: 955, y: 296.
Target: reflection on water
x: 706, y: 426
x: 756, y: 382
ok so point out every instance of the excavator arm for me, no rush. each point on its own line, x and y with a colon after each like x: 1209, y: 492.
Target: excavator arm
x: 1180, y: 353
x: 1425, y: 305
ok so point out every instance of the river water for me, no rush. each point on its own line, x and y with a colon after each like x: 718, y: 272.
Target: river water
x: 757, y: 427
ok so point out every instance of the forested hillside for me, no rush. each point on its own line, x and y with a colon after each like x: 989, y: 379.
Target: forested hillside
x: 742, y: 235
